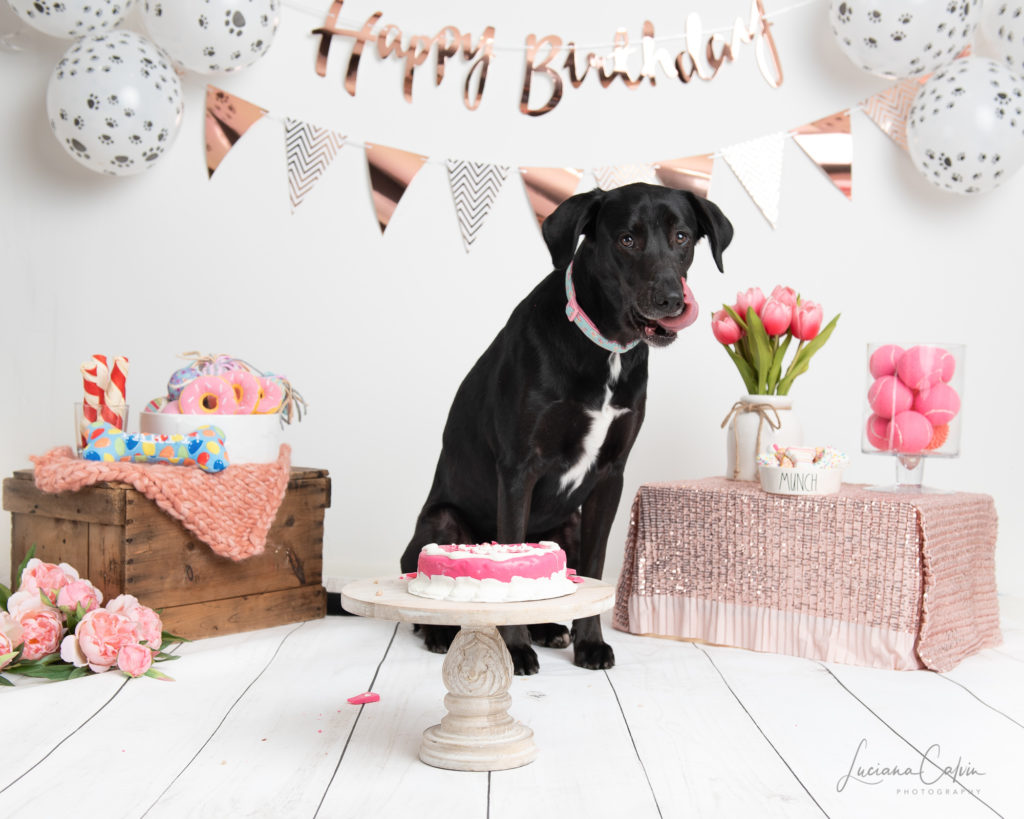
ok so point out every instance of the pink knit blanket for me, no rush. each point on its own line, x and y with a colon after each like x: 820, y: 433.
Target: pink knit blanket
x: 230, y: 511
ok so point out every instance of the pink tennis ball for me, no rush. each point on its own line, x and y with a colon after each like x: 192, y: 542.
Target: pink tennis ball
x: 878, y: 432
x: 948, y: 364
x: 883, y: 360
x: 920, y: 367
x: 939, y: 403
x: 911, y: 431
x: 888, y: 396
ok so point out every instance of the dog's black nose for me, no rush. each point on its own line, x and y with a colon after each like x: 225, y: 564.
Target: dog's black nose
x: 671, y: 303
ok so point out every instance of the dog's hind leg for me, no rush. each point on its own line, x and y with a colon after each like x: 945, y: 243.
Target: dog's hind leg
x: 442, y: 524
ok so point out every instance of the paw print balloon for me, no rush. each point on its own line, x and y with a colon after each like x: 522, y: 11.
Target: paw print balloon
x: 1003, y: 26
x: 114, y: 102
x: 210, y: 36
x: 71, y: 18
x: 903, y: 38
x: 965, y: 129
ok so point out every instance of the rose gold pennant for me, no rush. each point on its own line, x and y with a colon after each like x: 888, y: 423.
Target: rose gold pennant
x: 889, y: 109
x: 391, y: 172
x: 547, y: 188
x: 690, y: 173
x: 828, y: 143
x: 227, y: 119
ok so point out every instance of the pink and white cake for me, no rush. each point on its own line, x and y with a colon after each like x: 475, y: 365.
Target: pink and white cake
x: 491, y: 572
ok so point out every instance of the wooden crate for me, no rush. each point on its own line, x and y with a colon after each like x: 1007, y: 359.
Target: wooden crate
x: 124, y: 543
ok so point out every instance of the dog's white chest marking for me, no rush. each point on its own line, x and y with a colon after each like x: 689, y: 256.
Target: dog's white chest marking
x: 600, y: 420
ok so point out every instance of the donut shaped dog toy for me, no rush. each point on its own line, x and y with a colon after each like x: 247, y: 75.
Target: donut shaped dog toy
x: 208, y: 395
x: 203, y: 448
x: 246, y: 388
x: 271, y: 396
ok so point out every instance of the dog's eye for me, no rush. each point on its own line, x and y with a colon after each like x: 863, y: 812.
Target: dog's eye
x: 626, y: 240
x: 681, y: 238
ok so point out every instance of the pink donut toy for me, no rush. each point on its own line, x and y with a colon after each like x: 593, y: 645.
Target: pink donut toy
x: 208, y: 395
x: 247, y: 390
x: 271, y: 396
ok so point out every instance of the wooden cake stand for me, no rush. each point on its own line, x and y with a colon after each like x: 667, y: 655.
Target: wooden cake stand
x: 477, y: 733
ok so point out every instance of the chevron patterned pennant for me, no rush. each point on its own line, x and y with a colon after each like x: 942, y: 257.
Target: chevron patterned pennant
x: 310, y: 149
x: 757, y: 163
x: 615, y: 176
x: 888, y: 109
x: 475, y: 186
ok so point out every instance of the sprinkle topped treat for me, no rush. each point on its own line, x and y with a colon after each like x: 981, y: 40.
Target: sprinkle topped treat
x: 491, y: 572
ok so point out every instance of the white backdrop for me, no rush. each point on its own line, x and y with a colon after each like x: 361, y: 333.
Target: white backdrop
x: 378, y: 332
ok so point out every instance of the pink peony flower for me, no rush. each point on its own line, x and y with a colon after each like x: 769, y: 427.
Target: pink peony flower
x: 46, y: 577
x: 134, y: 660
x: 21, y: 603
x: 752, y: 297
x: 776, y: 315
x: 42, y: 630
x: 80, y: 591
x: 147, y: 622
x: 100, y: 636
x: 10, y: 635
x: 725, y: 328
x: 787, y: 295
x: 807, y: 318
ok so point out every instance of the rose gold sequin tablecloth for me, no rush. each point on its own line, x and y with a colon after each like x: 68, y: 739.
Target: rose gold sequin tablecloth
x: 898, y: 581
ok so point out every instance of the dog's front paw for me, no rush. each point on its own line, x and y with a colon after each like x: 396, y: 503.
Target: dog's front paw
x: 438, y: 639
x: 524, y: 660
x: 551, y: 635
x: 594, y: 655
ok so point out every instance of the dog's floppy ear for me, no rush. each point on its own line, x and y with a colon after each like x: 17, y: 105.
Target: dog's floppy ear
x: 713, y: 224
x: 570, y: 220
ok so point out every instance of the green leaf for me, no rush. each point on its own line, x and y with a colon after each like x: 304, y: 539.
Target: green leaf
x: 735, y: 317
x: 158, y: 675
x: 761, y: 349
x: 802, y: 359
x: 164, y: 657
x: 170, y: 639
x: 62, y: 671
x: 746, y: 373
x: 6, y: 658
x: 16, y: 578
x: 776, y: 369
x: 5, y: 681
x: 5, y: 594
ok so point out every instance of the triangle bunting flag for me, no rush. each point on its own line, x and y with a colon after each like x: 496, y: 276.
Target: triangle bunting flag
x: 309, y: 149
x: 227, y: 119
x: 615, y: 176
x: 474, y: 186
x: 828, y: 143
x: 689, y: 173
x: 888, y: 109
x: 547, y: 188
x: 391, y: 172
x: 757, y: 163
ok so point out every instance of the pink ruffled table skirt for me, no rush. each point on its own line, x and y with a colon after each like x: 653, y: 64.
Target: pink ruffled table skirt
x: 898, y: 581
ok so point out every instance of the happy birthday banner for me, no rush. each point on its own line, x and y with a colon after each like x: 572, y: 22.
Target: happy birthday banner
x: 474, y: 186
x: 701, y: 56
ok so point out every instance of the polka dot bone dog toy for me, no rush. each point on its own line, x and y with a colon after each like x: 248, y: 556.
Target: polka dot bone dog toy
x: 203, y: 448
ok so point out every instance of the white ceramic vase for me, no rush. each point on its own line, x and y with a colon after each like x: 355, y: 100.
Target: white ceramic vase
x: 755, y: 423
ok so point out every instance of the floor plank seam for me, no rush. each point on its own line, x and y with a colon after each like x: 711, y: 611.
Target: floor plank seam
x: 979, y: 699
x: 636, y: 750
x: 355, y: 722
x: 771, y: 744
x: 47, y: 755
x: 227, y: 713
x: 911, y: 745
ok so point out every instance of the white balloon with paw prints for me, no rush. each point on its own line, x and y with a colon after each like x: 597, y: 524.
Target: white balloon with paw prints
x: 71, y: 18
x: 212, y: 36
x: 114, y: 102
x: 1003, y: 27
x: 965, y: 130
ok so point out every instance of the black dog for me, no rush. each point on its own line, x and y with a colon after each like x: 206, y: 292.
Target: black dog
x: 539, y: 431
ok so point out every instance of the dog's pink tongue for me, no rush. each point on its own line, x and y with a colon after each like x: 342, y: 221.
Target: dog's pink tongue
x: 687, y: 317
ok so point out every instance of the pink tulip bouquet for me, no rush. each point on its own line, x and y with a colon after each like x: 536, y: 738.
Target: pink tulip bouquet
x: 54, y: 627
x: 757, y: 331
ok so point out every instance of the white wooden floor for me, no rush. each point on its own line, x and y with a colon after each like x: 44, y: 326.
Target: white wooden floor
x: 257, y: 725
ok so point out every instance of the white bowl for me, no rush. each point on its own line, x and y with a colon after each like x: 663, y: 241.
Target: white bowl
x: 802, y: 479
x: 254, y: 439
